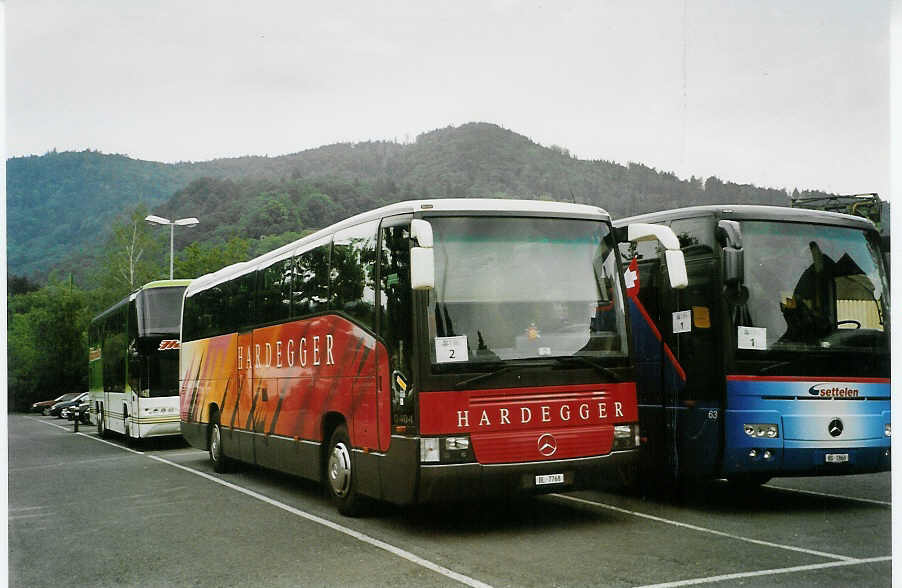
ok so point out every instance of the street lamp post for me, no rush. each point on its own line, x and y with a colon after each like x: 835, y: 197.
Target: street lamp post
x: 182, y: 222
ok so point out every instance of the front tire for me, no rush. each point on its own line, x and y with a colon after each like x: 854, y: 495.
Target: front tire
x: 217, y: 458
x: 127, y: 428
x: 341, y: 475
x: 46, y: 412
x: 629, y: 477
x: 101, y: 429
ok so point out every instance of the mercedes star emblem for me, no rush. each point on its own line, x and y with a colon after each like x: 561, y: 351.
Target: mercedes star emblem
x: 835, y: 428
x: 547, y: 444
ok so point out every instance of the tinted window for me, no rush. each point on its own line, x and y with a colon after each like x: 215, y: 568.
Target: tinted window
x: 133, y: 357
x: 310, y: 284
x: 395, y: 298
x: 241, y: 302
x: 205, y: 314
x: 274, y: 291
x: 696, y: 235
x: 353, y: 272
x: 115, y: 341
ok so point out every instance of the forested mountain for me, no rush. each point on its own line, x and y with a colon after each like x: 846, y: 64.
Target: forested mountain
x: 60, y: 205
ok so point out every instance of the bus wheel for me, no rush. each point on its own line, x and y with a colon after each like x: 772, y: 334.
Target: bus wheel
x: 217, y: 458
x: 128, y: 436
x: 628, y: 476
x: 340, y: 476
x: 101, y: 430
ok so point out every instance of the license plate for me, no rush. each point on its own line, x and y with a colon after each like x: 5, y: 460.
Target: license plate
x: 549, y: 479
x: 837, y: 457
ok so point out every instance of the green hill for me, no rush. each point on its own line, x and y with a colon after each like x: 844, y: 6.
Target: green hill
x: 59, y: 205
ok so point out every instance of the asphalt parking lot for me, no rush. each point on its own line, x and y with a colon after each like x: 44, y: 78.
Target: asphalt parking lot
x: 87, y: 511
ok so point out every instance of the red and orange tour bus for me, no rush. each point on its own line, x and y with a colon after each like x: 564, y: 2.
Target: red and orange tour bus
x: 427, y: 350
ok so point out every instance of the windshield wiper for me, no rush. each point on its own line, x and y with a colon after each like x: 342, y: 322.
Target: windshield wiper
x: 507, y: 367
x: 571, y: 359
x: 480, y: 377
x: 774, y: 366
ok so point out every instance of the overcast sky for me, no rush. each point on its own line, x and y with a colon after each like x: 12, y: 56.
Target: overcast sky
x: 776, y: 93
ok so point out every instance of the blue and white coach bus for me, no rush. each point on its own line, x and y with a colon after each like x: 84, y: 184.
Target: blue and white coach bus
x: 775, y: 361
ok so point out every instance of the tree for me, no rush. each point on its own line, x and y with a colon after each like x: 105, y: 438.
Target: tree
x: 134, y: 253
x: 20, y: 285
x: 319, y: 211
x: 267, y: 243
x: 48, y: 353
x: 198, y: 259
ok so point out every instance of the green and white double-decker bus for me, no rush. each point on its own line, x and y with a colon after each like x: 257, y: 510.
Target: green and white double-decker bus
x: 133, y: 362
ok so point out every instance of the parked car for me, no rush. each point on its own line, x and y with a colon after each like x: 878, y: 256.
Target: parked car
x: 80, y: 411
x: 57, y: 409
x: 44, y: 405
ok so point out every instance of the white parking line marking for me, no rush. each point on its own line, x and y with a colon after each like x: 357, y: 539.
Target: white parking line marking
x: 94, y: 437
x: 813, y: 493
x: 402, y: 553
x: 335, y: 526
x: 794, y: 569
x: 48, y: 423
x: 704, y: 529
x: 13, y: 517
x: 191, y: 452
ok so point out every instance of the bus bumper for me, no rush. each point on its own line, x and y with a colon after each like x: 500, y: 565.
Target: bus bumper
x: 158, y: 428
x: 803, y: 459
x: 452, y: 482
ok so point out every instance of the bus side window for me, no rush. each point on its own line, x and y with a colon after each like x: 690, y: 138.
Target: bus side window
x: 273, y: 285
x: 114, y: 344
x: 395, y: 311
x: 310, y: 283
x: 696, y: 235
x: 352, y: 286
x: 242, y: 302
x: 650, y: 273
x: 137, y: 380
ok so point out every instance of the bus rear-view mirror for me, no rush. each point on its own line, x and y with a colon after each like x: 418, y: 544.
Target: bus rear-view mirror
x: 676, y: 269
x: 729, y: 232
x: 673, y: 255
x: 422, y: 257
x: 732, y: 266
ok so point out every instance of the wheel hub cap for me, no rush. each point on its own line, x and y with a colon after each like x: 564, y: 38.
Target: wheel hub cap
x: 214, y: 444
x: 340, y: 469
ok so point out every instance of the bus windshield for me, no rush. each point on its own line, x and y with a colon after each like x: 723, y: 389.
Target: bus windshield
x: 162, y: 374
x: 159, y: 310
x: 812, y: 287
x: 517, y: 288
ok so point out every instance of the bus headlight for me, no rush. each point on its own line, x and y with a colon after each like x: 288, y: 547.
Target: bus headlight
x: 625, y: 437
x: 888, y: 430
x: 454, y: 449
x: 766, y: 430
